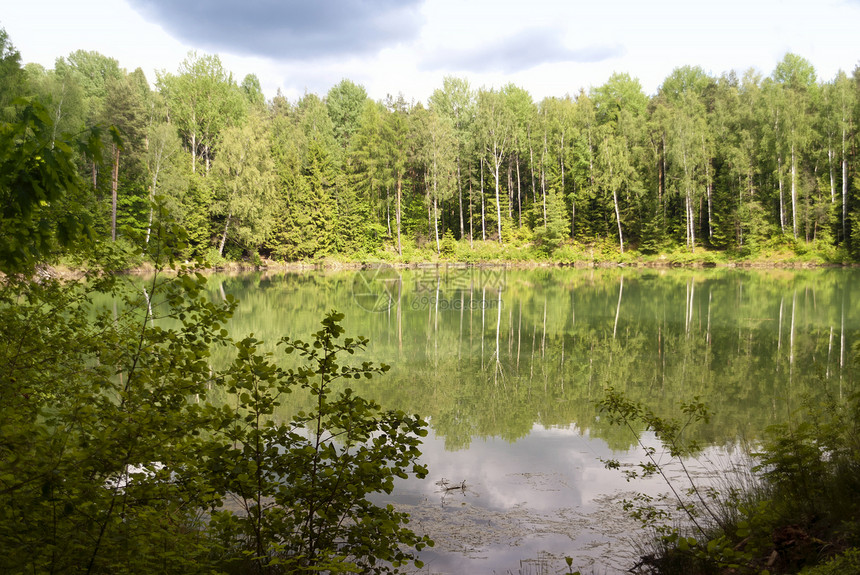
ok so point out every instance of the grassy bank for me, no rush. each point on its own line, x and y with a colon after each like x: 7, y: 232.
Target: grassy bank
x: 783, y: 253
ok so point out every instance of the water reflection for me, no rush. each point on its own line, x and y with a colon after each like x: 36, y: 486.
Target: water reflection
x: 507, y: 366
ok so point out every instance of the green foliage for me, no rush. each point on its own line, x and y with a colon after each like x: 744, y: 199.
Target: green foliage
x: 203, y: 100
x: 814, y: 465
x: 80, y: 484
x: 802, y: 503
x: 345, y: 102
x: 41, y: 198
x: 723, y: 163
x: 244, y: 192
x: 123, y: 465
x: 302, y: 485
x: 550, y: 236
x: 121, y: 442
x: 449, y: 244
x: 310, y: 218
x: 847, y: 563
x: 12, y: 76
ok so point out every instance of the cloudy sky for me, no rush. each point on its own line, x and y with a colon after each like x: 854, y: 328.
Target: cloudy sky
x: 549, y: 47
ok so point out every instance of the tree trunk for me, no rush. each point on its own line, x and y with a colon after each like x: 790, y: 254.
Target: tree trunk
x: 660, y: 177
x: 388, y: 209
x: 561, y: 159
x: 543, y: 174
x: 510, y: 190
x: 114, y: 185
x: 618, y: 219
x: 692, y: 224
x: 617, y: 211
x: 483, y: 222
x: 497, y: 163
x: 149, y: 224
x: 532, y: 165
x: 793, y: 194
x: 708, y: 189
x: 519, y: 193
x: 688, y: 205
x: 193, y: 153
x: 397, y: 214
x: 436, y: 226
x: 781, y: 202
x: 224, y: 235
x: 155, y: 172
x: 429, y: 217
x: 844, y: 191
x: 832, y: 175
x: 460, y: 197
x: 471, y: 216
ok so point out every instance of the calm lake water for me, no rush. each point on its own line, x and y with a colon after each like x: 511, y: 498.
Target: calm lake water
x: 506, y: 365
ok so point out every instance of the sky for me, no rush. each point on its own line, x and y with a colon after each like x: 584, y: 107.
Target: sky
x: 548, y: 47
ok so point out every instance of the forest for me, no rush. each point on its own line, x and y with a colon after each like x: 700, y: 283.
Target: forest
x: 736, y: 163
x: 125, y: 447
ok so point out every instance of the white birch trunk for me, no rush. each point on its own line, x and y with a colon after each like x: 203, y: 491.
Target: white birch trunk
x: 844, y: 190
x: 781, y: 203
x: 832, y: 175
x: 436, y: 226
x: 224, y: 235
x: 483, y: 215
x: 497, y: 162
x: 793, y: 193
x: 460, y: 196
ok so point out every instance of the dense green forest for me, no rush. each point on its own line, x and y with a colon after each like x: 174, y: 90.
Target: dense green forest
x: 734, y: 162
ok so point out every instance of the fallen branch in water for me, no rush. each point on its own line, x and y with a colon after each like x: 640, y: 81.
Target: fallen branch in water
x: 443, y: 483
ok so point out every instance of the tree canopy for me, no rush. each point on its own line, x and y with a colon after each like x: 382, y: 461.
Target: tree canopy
x: 725, y: 162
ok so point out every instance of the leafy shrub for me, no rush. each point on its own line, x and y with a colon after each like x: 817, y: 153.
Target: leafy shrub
x: 802, y: 503
x: 847, y: 563
x: 303, y: 485
x: 118, y: 450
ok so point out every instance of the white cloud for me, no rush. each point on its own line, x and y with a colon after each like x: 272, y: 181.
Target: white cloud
x: 549, y: 47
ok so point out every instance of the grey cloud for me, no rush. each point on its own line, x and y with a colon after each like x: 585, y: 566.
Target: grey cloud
x: 287, y: 29
x: 525, y: 50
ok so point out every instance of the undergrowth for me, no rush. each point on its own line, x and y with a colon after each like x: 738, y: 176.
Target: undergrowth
x: 792, y: 506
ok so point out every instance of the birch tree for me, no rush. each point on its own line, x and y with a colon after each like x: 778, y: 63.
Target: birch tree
x: 440, y: 165
x: 845, y: 102
x: 163, y: 147
x: 794, y: 82
x: 124, y: 111
x: 203, y: 99
x: 688, y: 148
x: 495, y: 122
x: 456, y: 102
x: 244, y: 171
x: 396, y: 131
x: 620, y: 107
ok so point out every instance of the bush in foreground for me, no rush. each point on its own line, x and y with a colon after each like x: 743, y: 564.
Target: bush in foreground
x: 797, y: 506
x: 123, y: 449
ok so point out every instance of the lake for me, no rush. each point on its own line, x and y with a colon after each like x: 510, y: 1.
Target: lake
x: 507, y: 364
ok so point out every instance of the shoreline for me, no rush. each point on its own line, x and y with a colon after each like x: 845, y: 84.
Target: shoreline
x: 329, y: 265
x: 337, y: 265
